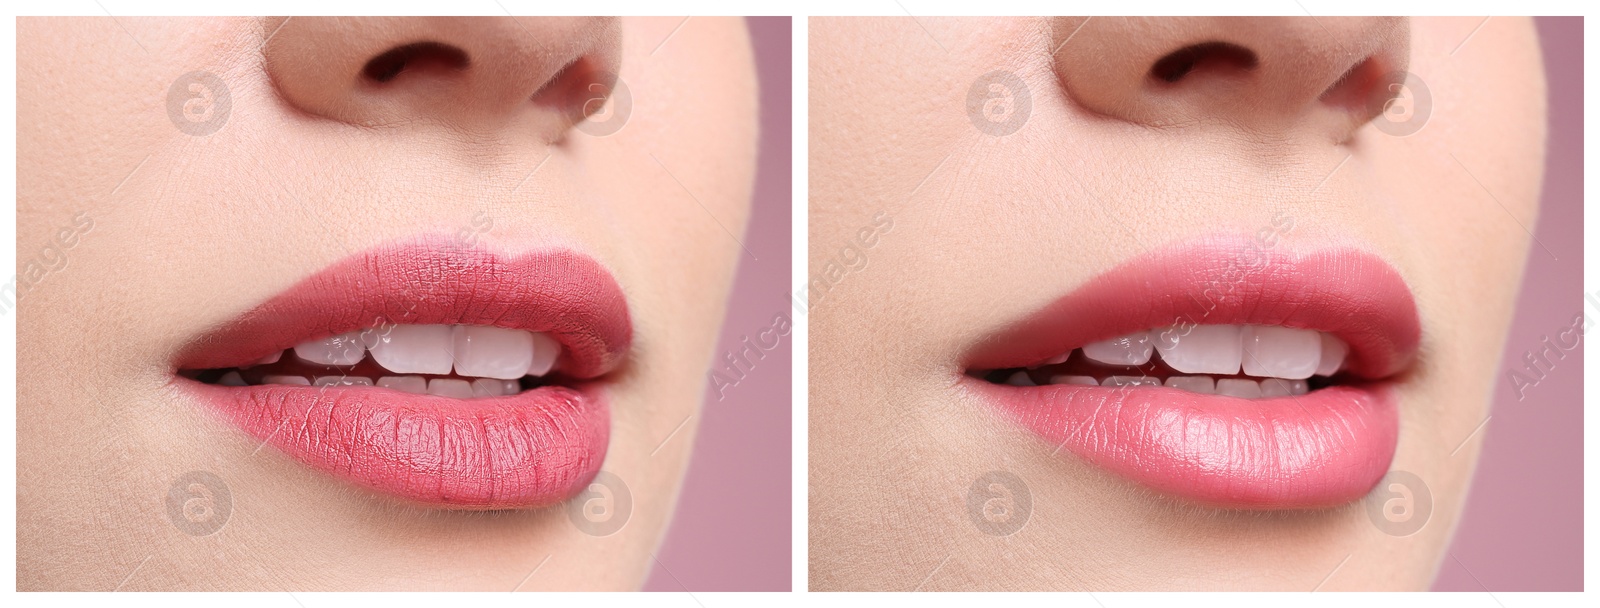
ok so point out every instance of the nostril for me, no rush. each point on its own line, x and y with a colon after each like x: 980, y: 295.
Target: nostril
x: 1359, y: 89
x: 1219, y: 57
x: 417, y: 56
x: 578, y: 89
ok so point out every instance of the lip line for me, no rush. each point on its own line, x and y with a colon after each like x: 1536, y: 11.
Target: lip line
x: 594, y: 336
x: 1371, y: 357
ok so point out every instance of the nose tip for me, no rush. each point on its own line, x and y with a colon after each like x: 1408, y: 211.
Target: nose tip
x: 1327, y: 74
x: 467, y: 72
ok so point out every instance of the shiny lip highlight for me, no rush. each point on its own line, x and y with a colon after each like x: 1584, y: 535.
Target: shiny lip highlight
x: 535, y: 448
x: 1315, y: 450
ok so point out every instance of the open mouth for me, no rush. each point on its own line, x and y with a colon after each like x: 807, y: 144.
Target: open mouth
x: 456, y: 361
x: 1245, y: 361
x: 445, y: 376
x: 1218, y: 372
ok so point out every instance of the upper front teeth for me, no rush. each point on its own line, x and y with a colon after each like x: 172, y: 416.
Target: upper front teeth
x: 492, y: 352
x: 471, y: 350
x: 1280, y: 352
x: 343, y: 349
x: 1260, y: 350
x: 545, y: 351
x: 1333, y: 352
x: 415, y: 349
x: 1132, y: 349
x: 1203, y: 349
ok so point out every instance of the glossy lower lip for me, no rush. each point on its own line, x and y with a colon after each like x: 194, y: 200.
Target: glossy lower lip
x: 535, y: 448
x: 1322, y: 449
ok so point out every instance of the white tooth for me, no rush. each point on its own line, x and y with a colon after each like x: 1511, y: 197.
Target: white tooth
x: 300, y: 380
x: 488, y: 387
x: 1333, y: 352
x: 343, y: 349
x: 1298, y: 387
x: 545, y: 352
x: 272, y: 358
x: 1059, y: 359
x: 416, y: 349
x: 1276, y: 387
x: 1020, y: 379
x: 1239, y: 387
x: 1132, y: 349
x: 1280, y: 352
x: 232, y: 379
x: 1200, y: 349
x: 1085, y: 380
x: 1194, y: 384
x: 416, y: 385
x: 512, y: 387
x: 373, y: 336
x: 492, y: 352
x: 1130, y: 381
x: 342, y: 381
x: 450, y: 387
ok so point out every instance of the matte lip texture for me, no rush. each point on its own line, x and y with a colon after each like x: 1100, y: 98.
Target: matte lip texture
x: 536, y: 448
x: 1321, y: 449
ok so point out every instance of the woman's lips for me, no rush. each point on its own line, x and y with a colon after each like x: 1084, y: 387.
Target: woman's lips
x: 1319, y: 449
x: 538, y: 447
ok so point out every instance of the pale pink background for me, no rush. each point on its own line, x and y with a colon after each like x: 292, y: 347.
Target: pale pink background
x: 1522, y: 528
x: 734, y: 520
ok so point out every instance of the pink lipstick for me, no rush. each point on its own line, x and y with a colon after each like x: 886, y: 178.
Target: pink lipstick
x: 442, y: 375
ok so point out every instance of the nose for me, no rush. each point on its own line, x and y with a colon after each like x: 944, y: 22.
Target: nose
x: 471, y: 73
x: 1267, y: 75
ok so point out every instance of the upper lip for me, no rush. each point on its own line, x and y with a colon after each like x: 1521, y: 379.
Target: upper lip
x: 436, y: 283
x: 1381, y: 326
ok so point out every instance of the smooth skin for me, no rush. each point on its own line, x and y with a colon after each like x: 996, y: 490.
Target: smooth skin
x: 987, y: 229
x: 173, y: 233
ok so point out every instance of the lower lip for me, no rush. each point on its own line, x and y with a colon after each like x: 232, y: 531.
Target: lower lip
x: 1324, y: 448
x: 536, y: 448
